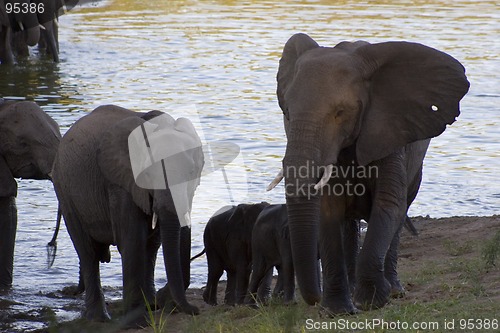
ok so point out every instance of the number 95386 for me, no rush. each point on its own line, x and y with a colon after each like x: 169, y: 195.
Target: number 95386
x: 24, y: 8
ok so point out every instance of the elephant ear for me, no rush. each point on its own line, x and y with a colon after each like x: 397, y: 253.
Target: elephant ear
x: 113, y: 160
x: 297, y: 45
x: 414, y: 93
x: 8, y: 185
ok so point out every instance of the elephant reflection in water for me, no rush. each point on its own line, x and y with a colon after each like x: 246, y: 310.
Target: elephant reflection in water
x: 97, y: 179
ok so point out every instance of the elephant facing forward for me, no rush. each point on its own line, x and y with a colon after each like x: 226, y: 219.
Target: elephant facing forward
x: 102, y: 204
x: 358, y: 119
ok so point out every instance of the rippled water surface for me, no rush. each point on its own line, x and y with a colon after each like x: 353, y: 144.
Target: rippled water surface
x: 219, y: 59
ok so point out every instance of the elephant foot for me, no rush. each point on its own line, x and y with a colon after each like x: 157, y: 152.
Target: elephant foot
x: 332, y: 309
x: 95, y: 314
x: 136, y: 318
x: 188, y: 309
x: 208, y: 299
x: 397, y: 290
x: 289, y: 300
x: 165, y: 299
x: 368, y: 296
x: 73, y: 290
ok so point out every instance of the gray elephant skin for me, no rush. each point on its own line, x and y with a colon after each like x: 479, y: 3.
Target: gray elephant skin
x: 28, y: 144
x: 271, y: 248
x: 352, y: 107
x: 102, y: 205
x: 227, y: 240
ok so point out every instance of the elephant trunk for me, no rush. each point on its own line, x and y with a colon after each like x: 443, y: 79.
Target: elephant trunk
x: 8, y: 225
x: 303, y: 224
x: 50, y: 37
x: 32, y: 35
x: 176, y: 254
x: 303, y: 205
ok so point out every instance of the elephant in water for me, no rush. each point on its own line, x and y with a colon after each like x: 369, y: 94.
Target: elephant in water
x: 358, y: 119
x: 110, y: 194
x: 28, y: 144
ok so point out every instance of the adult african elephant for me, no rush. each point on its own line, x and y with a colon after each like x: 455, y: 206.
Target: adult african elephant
x: 105, y: 202
x: 358, y: 119
x: 28, y: 144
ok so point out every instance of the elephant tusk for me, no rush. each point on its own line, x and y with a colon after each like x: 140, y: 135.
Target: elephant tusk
x: 275, y: 181
x: 154, y: 220
x: 21, y: 26
x: 325, y: 178
x: 187, y: 218
x: 42, y: 27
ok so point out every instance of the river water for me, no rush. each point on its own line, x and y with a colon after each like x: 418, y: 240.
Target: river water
x: 217, y: 61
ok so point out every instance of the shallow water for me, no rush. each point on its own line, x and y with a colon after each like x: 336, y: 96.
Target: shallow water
x: 218, y: 60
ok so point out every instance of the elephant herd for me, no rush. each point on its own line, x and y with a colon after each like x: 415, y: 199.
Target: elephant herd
x: 25, y: 23
x: 358, y: 119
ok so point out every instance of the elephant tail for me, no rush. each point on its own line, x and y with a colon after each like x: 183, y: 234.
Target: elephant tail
x: 198, y: 255
x: 408, y: 224
x: 52, y: 245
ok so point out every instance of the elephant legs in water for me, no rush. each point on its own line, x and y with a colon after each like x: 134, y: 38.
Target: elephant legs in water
x: 8, y: 226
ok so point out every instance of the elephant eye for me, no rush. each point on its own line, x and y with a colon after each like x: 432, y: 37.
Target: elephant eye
x: 339, y: 113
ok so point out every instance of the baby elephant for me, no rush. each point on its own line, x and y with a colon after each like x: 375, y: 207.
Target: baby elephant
x: 271, y: 248
x: 227, y: 240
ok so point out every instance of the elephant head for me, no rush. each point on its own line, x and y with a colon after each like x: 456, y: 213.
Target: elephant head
x: 29, y: 140
x: 158, y: 160
x: 375, y: 98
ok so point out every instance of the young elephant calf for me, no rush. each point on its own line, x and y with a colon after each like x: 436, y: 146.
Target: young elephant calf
x: 227, y: 240
x: 271, y: 248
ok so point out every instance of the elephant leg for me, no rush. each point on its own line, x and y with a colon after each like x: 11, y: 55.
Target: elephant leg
x: 131, y: 229
x: 387, y: 213
x: 242, y: 278
x: 264, y: 285
x: 278, y: 287
x: 390, y: 266
x: 336, y: 296
x: 19, y: 46
x: 351, y: 250
x: 6, y: 56
x: 230, y: 295
x: 95, y: 307
x: 8, y: 226
x: 258, y: 272
x: 215, y: 271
